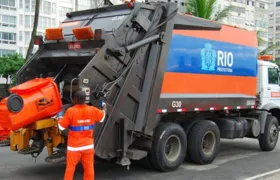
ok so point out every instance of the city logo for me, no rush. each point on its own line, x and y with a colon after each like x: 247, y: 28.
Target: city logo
x: 208, y: 57
x: 212, y: 60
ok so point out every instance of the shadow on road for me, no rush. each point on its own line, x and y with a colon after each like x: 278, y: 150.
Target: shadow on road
x: 103, y: 170
x: 239, y: 145
x: 15, y: 166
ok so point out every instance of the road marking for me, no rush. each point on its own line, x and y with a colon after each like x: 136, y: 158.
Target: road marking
x: 195, y: 167
x: 263, y: 174
x: 236, y: 157
x: 217, y: 162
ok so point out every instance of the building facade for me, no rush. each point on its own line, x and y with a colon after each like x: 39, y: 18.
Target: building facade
x: 250, y: 15
x: 274, y: 27
x: 4, y: 80
x: 17, y: 17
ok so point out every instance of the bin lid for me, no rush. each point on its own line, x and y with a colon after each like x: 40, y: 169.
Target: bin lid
x: 31, y: 85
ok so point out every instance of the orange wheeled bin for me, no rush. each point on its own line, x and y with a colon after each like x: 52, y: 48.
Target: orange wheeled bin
x: 4, y: 133
x: 28, y: 102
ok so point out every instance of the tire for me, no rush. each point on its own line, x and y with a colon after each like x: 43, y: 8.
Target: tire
x: 197, y: 153
x: 268, y: 140
x: 165, y: 134
x: 187, y: 127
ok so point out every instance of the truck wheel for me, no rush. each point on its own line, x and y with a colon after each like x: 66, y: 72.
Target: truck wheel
x: 187, y: 127
x: 204, y: 142
x: 169, y: 146
x: 268, y: 140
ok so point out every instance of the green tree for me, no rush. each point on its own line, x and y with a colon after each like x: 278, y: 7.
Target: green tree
x: 207, y: 9
x: 10, y: 64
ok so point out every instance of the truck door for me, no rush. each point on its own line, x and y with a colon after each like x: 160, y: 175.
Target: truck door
x: 271, y: 88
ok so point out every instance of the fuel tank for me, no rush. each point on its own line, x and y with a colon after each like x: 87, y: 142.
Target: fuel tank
x: 28, y: 102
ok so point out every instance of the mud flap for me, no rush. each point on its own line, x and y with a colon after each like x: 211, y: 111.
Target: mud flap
x: 4, y: 143
x: 58, y: 157
x: 34, y: 150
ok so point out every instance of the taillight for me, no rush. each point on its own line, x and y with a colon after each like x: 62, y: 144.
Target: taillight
x: 38, y: 40
x: 68, y: 15
x: 130, y: 5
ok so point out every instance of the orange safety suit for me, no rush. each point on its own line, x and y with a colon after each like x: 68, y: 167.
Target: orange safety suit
x: 80, y: 120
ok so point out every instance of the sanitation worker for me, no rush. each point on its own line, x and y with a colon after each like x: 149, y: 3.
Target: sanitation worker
x: 80, y: 120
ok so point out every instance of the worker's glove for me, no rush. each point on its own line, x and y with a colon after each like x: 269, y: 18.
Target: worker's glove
x: 59, y: 115
x: 102, y: 105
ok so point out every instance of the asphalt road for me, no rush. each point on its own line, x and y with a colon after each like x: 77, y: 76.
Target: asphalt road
x: 238, y: 159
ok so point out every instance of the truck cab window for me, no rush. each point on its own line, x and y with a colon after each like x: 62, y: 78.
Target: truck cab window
x: 272, y: 76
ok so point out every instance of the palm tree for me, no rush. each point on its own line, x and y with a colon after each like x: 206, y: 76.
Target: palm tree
x: 207, y: 9
x: 261, y: 41
x: 34, y: 31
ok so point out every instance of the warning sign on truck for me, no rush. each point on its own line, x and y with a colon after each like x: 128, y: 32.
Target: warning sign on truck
x: 275, y: 94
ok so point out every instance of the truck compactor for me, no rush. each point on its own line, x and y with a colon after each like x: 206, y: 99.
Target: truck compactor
x: 174, y: 85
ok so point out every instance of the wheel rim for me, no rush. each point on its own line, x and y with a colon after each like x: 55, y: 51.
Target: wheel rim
x: 273, y: 133
x: 208, y: 143
x: 173, y: 148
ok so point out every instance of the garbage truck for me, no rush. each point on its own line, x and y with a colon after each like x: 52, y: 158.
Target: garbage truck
x: 174, y: 85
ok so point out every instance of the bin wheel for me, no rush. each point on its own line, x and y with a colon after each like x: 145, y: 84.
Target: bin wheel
x: 204, y: 142
x: 169, y: 146
x: 268, y: 140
